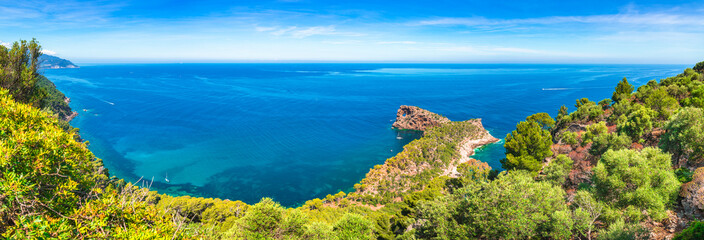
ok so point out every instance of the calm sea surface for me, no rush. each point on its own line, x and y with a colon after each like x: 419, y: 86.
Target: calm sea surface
x: 300, y: 131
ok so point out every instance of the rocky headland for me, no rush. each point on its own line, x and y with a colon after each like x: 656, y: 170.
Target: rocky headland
x: 415, y: 118
x: 444, y: 146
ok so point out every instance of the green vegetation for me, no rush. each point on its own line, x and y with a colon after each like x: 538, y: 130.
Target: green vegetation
x: 643, y: 180
x: 556, y: 171
x: 514, y: 206
x: 53, y: 187
x: 420, y: 161
x: 694, y: 231
x: 528, y: 145
x: 623, y: 91
x: 606, y: 178
x: 684, y: 134
x: 637, y: 123
x: 19, y: 76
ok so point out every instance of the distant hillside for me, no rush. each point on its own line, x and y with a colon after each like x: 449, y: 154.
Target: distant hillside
x: 49, y: 61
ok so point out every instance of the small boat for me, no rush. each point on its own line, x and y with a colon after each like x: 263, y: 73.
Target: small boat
x: 167, y: 178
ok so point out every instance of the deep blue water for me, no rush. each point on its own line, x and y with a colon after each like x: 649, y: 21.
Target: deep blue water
x: 300, y: 131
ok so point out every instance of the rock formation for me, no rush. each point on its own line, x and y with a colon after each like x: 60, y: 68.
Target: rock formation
x: 468, y: 145
x: 438, y: 153
x: 415, y: 118
x: 692, y: 194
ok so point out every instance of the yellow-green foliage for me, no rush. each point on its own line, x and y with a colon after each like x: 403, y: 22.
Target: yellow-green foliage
x: 217, y: 214
x: 420, y: 161
x: 51, y: 186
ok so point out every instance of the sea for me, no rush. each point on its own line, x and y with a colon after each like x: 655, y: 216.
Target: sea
x: 298, y: 131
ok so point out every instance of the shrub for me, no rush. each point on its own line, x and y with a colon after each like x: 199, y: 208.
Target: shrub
x: 613, y: 141
x: 639, y: 122
x: 685, y: 133
x: 623, y: 91
x: 693, y: 232
x: 556, y: 172
x: 643, y: 180
x: 527, y: 146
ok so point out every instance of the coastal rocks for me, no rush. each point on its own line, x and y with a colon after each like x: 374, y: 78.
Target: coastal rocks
x: 467, y: 147
x: 444, y: 147
x: 692, y: 194
x: 73, y: 114
x: 415, y: 118
x: 483, y: 137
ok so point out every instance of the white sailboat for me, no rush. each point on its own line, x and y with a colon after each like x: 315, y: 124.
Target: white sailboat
x: 167, y: 177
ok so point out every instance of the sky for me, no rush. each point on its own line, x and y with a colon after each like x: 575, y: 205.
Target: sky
x: 468, y: 31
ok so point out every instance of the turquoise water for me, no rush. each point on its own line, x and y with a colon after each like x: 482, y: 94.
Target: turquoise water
x: 300, y: 131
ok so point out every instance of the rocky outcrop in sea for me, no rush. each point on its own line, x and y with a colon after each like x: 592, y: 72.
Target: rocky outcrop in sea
x: 415, y: 118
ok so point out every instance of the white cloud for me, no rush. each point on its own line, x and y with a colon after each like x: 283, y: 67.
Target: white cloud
x: 516, y: 50
x: 304, y: 32
x: 48, y: 52
x: 264, y: 29
x: 7, y: 45
x: 633, y: 18
x: 342, y: 42
x: 312, y: 31
x: 397, y: 42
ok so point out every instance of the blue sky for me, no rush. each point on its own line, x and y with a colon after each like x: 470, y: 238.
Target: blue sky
x: 595, y: 31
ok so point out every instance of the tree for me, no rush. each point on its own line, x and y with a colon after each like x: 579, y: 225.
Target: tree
x: 586, y: 110
x: 544, y: 119
x: 699, y: 67
x: 18, y: 71
x: 613, y: 141
x: 637, y: 123
x: 684, y: 134
x: 269, y: 220
x: 527, y: 147
x: 697, y: 98
x: 623, y: 91
x: 593, y: 131
x: 353, y: 226
x: 514, y: 206
x: 660, y: 101
x: 587, y: 211
x: 605, y: 104
x: 569, y: 138
x: 694, y: 231
x: 640, y: 181
x: 622, y: 108
x: 624, y: 231
x: 562, y: 113
x: 556, y: 172
x: 262, y: 221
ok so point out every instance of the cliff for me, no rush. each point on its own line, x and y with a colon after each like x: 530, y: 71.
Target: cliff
x: 54, y: 62
x: 444, y: 146
x: 415, y: 118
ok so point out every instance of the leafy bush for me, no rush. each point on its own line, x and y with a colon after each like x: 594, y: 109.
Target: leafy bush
x: 569, y: 138
x: 53, y: 187
x: 684, y: 134
x: 684, y: 175
x: 693, y: 232
x: 514, y: 206
x: 639, y: 122
x: 699, y: 67
x: 643, y: 180
x: 663, y: 104
x: 623, y: 231
x: 586, y: 111
x: 613, y: 141
x: 593, y: 131
x: 527, y: 146
x: 623, y: 91
x: 556, y: 172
